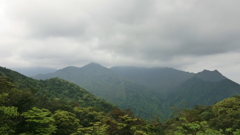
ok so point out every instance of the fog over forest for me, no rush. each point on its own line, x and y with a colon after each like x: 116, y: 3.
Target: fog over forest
x: 113, y: 67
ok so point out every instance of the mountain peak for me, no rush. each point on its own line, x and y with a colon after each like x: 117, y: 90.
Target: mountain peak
x: 94, y: 67
x: 205, y: 71
x: 93, y: 64
x: 212, y: 76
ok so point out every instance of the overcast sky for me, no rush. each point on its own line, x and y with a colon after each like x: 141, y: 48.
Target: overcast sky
x: 189, y: 35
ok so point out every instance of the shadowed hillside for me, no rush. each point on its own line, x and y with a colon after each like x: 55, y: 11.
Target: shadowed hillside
x: 112, y: 87
x: 148, y: 91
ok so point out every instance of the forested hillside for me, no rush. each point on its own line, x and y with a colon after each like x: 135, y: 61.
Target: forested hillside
x: 31, y: 111
x: 161, y: 80
x: 222, y: 118
x: 56, y: 88
x: 26, y: 110
x: 196, y: 91
x: 205, y: 88
x: 112, y: 87
x: 149, y: 91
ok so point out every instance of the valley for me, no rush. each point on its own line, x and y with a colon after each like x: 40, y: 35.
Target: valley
x: 122, y: 103
x: 149, y: 92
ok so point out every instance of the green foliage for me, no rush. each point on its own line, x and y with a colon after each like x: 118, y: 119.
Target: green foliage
x: 88, y: 116
x: 39, y: 121
x: 70, y: 92
x: 66, y: 122
x: 8, y: 114
x: 3, y: 98
x: 111, y: 87
x: 48, y: 89
x: 5, y: 84
x: 221, y: 118
x: 226, y: 114
x: 68, y: 109
x: 195, y: 128
x: 196, y: 91
x: 7, y: 117
x: 97, y: 128
x: 149, y: 91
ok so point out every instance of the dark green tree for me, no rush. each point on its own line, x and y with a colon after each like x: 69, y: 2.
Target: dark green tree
x: 66, y: 122
x: 39, y: 122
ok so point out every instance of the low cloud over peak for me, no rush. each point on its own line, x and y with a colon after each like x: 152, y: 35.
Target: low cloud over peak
x: 188, y: 35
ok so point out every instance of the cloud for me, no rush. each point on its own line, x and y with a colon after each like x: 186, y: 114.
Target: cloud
x: 187, y: 34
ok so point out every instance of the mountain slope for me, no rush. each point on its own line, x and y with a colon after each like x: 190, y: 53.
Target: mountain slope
x: 57, y: 88
x: 205, y: 88
x: 141, y: 89
x: 158, y: 79
x: 112, y: 87
x: 212, y: 76
x: 34, y: 71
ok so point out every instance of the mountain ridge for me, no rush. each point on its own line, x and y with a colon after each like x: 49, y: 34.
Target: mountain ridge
x: 62, y: 89
x: 157, y: 78
x: 110, y: 86
x: 213, y: 76
x: 155, y: 89
x: 32, y: 71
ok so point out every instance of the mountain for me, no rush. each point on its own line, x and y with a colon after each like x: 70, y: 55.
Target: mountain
x: 204, y: 88
x: 216, y: 119
x: 34, y: 70
x: 212, y: 76
x: 112, y: 87
x: 159, y: 79
x: 38, y: 110
x: 57, y: 88
x: 57, y: 107
x: 149, y: 90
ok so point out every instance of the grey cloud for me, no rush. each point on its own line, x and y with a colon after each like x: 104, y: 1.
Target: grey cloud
x: 196, y: 31
x: 137, y: 32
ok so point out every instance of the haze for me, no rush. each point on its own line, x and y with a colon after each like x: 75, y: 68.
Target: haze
x: 189, y: 35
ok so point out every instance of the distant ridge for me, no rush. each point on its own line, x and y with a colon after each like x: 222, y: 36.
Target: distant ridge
x: 212, y: 76
x: 34, y: 71
x: 161, y: 79
x: 200, y: 90
x: 57, y: 88
x: 94, y: 67
x: 149, y: 90
x: 92, y: 64
x: 112, y: 87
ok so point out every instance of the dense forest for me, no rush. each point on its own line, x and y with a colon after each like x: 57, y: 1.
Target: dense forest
x: 149, y: 92
x: 113, y: 88
x: 55, y: 106
x: 31, y: 107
